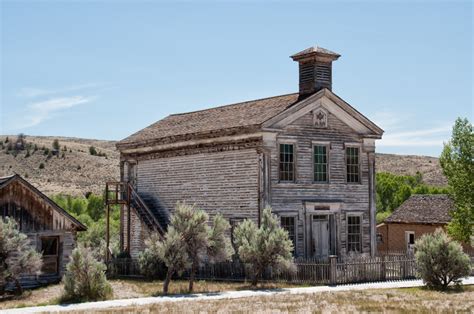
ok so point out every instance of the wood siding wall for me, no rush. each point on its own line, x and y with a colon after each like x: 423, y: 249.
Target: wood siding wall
x: 289, y: 198
x: 217, y: 181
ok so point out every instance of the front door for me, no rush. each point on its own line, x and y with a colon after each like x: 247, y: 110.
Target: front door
x: 321, y: 236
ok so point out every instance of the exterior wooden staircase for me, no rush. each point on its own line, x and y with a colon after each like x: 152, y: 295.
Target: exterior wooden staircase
x: 123, y: 194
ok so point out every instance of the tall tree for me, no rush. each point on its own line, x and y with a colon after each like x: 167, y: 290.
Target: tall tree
x: 267, y: 246
x: 457, y: 161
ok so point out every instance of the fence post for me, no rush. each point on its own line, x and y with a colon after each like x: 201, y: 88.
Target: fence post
x: 332, y: 269
x: 383, y: 268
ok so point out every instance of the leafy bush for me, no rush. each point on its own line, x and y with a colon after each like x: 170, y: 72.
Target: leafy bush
x: 150, y: 261
x: 41, y: 165
x: 267, y: 246
x: 441, y: 261
x: 92, y: 151
x: 17, y: 256
x: 90, y: 211
x: 85, y: 278
x: 56, y: 144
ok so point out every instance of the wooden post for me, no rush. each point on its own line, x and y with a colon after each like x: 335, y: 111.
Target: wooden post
x: 332, y: 270
x: 107, y: 234
x: 383, y: 268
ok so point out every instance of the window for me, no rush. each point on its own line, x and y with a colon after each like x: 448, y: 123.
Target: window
x: 287, y: 163
x: 352, y: 164
x: 320, y: 163
x: 49, y: 246
x: 354, y: 233
x: 288, y: 223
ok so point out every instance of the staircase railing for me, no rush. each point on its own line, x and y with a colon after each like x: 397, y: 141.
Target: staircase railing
x: 138, y: 201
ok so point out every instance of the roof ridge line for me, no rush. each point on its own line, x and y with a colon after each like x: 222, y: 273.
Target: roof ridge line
x: 233, y: 104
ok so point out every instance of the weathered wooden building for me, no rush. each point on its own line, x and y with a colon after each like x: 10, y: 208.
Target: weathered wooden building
x: 309, y: 155
x: 50, y: 228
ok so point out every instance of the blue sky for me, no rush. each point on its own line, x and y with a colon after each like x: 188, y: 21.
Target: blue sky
x: 107, y: 69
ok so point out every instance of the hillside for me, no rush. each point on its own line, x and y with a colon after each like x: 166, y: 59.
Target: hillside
x: 79, y: 172
x: 76, y: 173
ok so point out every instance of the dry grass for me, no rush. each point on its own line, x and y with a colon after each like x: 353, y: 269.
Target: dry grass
x: 126, y: 289
x: 413, y: 300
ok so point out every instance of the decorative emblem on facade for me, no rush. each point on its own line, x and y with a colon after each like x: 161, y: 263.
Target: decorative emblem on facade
x: 320, y: 118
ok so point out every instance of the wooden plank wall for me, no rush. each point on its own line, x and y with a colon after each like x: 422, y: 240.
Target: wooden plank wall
x: 290, y: 197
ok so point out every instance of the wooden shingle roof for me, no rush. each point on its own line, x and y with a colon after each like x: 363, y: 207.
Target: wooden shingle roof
x: 239, y: 116
x: 423, y: 209
x: 5, y: 181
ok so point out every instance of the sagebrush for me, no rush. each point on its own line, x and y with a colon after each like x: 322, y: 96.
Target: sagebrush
x: 441, y: 261
x: 85, y: 278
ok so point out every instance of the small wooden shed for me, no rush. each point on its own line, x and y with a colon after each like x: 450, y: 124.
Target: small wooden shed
x: 49, y: 227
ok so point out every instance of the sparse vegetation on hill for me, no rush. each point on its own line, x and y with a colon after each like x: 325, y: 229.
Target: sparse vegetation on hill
x: 73, y: 172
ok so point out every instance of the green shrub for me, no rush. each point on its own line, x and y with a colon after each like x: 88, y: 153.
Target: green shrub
x: 267, y: 246
x: 171, y: 251
x: 441, y: 261
x: 56, y: 144
x: 17, y: 256
x: 41, y: 165
x: 85, y: 278
x: 152, y: 259
x: 92, y: 151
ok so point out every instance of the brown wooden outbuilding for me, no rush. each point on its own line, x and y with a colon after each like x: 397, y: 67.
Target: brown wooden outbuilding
x: 49, y: 227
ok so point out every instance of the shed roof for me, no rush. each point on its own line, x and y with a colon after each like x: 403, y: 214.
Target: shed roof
x: 423, y: 209
x: 4, y: 181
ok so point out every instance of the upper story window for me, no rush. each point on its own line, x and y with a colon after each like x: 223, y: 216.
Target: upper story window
x: 288, y: 223
x: 287, y: 163
x: 320, y: 163
x: 354, y: 237
x: 352, y: 164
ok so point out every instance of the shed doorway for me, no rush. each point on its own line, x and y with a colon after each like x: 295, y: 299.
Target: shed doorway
x: 50, y: 249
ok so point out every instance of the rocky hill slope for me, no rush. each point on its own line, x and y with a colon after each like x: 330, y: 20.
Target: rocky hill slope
x: 74, y: 170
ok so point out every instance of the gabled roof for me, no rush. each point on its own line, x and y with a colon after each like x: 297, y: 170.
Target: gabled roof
x: 235, y: 116
x: 5, y: 181
x: 239, y: 118
x: 423, y: 209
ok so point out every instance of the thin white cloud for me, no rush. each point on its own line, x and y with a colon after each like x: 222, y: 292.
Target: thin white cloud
x: 432, y: 137
x: 398, y: 132
x: 44, y: 110
x: 33, y: 92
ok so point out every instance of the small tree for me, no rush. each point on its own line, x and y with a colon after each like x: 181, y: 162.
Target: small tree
x: 219, y: 245
x: 192, y: 225
x: 17, y: 256
x: 85, y: 278
x: 441, y: 261
x: 171, y: 251
x: 92, y: 151
x: 56, y: 144
x: 267, y: 246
